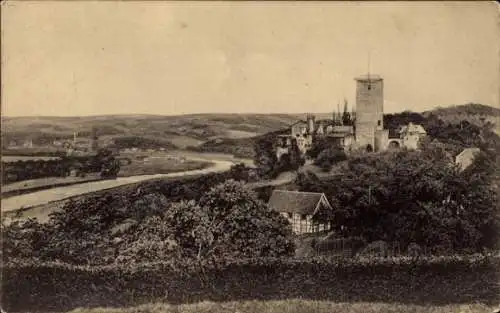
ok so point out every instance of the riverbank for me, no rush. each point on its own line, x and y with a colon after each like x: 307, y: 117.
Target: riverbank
x: 142, y: 163
x: 33, y: 185
x: 60, y: 193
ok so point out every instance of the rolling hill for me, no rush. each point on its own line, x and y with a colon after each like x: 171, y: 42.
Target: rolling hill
x: 234, y: 133
x: 477, y: 114
x: 180, y: 131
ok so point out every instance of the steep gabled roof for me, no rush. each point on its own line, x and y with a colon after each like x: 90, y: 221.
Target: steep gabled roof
x: 466, y: 156
x: 297, y: 202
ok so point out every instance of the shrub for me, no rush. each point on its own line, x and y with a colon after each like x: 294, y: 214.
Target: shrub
x: 29, y: 286
x: 145, y: 225
x: 328, y: 157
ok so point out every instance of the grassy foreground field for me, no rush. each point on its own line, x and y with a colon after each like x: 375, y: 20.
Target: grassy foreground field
x: 294, y: 306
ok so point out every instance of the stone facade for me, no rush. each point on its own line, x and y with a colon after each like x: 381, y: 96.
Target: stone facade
x: 370, y: 113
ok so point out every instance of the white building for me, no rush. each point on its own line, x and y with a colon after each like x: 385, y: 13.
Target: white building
x: 465, y: 158
x: 411, y: 135
x: 305, y: 211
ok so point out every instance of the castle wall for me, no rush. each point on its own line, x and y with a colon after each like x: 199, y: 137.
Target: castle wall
x: 365, y: 136
x: 381, y: 140
x: 395, y: 143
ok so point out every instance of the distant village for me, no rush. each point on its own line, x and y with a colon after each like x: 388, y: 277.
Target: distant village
x: 79, y: 146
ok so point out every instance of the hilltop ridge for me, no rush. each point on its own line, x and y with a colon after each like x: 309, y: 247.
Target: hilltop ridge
x: 193, y: 130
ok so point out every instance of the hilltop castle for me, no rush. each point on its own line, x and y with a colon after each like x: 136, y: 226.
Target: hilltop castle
x: 359, y: 129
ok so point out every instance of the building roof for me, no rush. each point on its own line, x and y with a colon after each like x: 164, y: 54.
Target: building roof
x: 466, y: 157
x: 298, y: 122
x: 413, y: 128
x: 369, y: 77
x: 338, y: 135
x: 468, y: 153
x: 296, y: 201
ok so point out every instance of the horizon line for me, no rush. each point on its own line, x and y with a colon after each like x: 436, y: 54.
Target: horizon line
x: 226, y: 113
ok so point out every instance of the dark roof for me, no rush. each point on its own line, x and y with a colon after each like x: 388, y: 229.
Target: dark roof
x: 338, y: 135
x: 370, y: 77
x: 295, y: 201
x: 298, y: 122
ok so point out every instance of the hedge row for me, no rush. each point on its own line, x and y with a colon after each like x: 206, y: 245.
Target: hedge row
x: 58, y: 287
x: 183, y: 188
x: 33, y: 169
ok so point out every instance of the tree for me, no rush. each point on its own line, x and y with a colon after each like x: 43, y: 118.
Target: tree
x: 319, y: 144
x: 346, y: 116
x: 411, y: 197
x: 240, y: 172
x: 290, y: 161
x: 265, y: 158
x: 240, y: 225
x: 296, y: 159
x: 228, y: 222
x: 327, y: 158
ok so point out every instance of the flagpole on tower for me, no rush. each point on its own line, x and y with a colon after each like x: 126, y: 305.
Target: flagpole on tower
x: 369, y: 65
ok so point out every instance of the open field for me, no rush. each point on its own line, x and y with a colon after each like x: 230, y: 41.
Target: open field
x: 181, y: 130
x: 158, y: 163
x: 14, y: 158
x: 293, y: 306
x: 194, y: 129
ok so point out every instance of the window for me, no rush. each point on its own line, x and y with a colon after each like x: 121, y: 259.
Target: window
x: 369, y: 86
x: 379, y: 123
x: 303, y: 216
x: 290, y: 215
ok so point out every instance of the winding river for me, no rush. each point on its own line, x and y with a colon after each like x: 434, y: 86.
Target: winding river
x: 60, y: 193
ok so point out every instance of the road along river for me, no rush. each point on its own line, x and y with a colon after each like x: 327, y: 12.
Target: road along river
x: 60, y: 193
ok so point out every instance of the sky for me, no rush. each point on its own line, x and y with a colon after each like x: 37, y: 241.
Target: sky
x: 80, y: 58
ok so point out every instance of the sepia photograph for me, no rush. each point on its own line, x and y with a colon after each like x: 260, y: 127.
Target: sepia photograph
x: 250, y: 156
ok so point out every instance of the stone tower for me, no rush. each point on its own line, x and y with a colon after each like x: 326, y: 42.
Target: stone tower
x: 370, y: 113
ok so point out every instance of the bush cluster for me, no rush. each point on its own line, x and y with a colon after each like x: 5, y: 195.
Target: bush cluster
x: 102, y: 162
x: 142, y: 143
x: 154, y: 220
x: 59, y: 287
x: 413, y: 197
x: 33, y: 169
